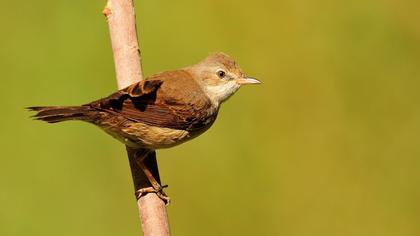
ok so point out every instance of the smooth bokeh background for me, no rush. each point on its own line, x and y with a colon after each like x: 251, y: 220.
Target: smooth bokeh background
x: 329, y: 144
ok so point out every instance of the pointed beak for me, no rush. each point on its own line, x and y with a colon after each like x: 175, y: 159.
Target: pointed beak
x: 248, y: 80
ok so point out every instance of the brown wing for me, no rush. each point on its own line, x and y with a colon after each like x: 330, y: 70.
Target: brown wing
x: 170, y: 99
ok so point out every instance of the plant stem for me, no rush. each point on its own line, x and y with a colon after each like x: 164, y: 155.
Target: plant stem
x: 121, y: 19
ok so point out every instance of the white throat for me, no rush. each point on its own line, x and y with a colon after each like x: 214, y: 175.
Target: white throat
x: 220, y: 93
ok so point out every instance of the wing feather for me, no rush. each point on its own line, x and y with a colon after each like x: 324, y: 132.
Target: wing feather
x: 164, y: 100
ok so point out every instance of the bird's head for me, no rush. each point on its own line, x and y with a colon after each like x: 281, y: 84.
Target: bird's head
x: 220, y: 76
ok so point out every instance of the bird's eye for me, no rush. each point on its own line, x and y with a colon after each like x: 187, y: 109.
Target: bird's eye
x: 221, y: 73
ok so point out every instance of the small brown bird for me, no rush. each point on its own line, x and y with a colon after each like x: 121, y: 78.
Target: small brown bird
x: 162, y: 111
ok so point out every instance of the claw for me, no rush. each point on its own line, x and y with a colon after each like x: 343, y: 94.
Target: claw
x: 159, y: 192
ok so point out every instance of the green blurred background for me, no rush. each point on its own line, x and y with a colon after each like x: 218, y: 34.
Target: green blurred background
x: 328, y: 145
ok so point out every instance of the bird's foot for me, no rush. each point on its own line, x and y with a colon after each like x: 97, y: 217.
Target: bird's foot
x: 158, y: 190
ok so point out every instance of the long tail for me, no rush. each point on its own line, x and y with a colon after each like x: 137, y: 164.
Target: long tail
x: 56, y: 114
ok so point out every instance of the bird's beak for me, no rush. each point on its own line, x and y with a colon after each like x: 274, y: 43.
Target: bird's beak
x: 248, y: 80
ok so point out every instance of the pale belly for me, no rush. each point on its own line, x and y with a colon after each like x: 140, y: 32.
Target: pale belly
x: 139, y: 135
x: 155, y: 137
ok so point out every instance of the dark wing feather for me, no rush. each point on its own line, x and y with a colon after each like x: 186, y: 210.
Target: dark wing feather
x: 164, y: 100
x: 142, y: 88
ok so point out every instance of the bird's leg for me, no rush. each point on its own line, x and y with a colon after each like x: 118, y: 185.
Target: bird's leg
x: 156, y: 187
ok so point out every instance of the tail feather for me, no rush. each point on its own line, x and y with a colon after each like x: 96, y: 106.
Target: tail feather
x: 54, y: 114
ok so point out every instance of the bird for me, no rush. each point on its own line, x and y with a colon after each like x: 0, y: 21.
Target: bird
x: 164, y: 110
